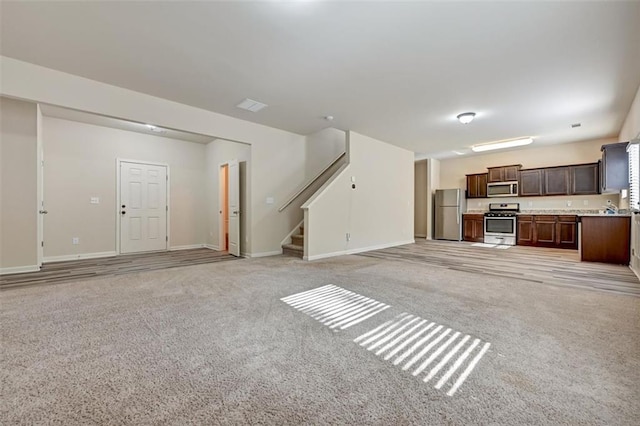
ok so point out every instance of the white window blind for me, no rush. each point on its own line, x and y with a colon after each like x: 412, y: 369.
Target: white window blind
x: 634, y: 175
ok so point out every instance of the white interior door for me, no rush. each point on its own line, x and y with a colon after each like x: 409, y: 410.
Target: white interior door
x: 143, y: 207
x: 234, y: 208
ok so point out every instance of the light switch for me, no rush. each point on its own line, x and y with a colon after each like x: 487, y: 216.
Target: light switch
x: 353, y: 179
x: 270, y: 200
x: 95, y: 200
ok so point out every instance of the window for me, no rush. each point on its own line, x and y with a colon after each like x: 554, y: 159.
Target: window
x: 634, y: 175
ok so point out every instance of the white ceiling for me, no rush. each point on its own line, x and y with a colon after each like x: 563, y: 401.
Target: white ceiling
x: 399, y: 72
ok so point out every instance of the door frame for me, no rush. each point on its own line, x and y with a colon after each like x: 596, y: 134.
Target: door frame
x: 119, y: 161
x: 39, y: 187
x: 221, y: 191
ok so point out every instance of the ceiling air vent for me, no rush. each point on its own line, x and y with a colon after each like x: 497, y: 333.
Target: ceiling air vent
x: 251, y: 105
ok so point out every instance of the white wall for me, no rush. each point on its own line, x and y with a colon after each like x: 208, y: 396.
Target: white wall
x: 433, y: 183
x: 631, y: 130
x: 453, y: 171
x: 277, y: 156
x: 219, y: 152
x: 80, y: 163
x: 18, y: 186
x: 377, y: 213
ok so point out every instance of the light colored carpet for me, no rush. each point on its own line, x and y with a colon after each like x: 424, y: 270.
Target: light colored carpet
x: 214, y: 344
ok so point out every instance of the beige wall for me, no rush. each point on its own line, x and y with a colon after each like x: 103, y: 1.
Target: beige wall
x: 322, y: 148
x: 453, y: 171
x: 433, y: 183
x: 219, y: 152
x: 277, y: 156
x: 18, y: 186
x: 421, y: 216
x: 377, y: 213
x: 631, y: 130
x: 80, y: 163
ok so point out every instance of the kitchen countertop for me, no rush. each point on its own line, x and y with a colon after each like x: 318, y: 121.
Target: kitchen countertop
x: 623, y: 213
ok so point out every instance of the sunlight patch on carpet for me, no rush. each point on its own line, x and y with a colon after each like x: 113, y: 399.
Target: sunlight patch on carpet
x: 432, y: 352
x: 334, y: 306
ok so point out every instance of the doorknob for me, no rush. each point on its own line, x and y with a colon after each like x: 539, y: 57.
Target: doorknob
x: 236, y: 212
x: 43, y: 212
x: 123, y: 212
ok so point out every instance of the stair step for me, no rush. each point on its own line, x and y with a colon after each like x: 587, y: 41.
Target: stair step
x: 297, y: 240
x: 293, y: 250
x: 301, y: 229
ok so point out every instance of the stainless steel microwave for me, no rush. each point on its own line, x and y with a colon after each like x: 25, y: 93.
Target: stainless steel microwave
x: 502, y: 189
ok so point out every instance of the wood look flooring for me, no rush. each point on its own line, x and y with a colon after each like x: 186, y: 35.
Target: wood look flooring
x: 116, y: 265
x: 539, y: 265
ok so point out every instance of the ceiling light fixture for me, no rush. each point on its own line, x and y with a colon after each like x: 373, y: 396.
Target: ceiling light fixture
x: 501, y: 144
x: 466, y: 117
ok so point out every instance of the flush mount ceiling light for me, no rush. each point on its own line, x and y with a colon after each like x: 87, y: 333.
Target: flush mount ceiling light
x: 251, y: 105
x: 501, y: 144
x: 466, y: 117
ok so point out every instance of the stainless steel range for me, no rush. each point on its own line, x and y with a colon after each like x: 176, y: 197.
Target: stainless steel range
x: 500, y: 223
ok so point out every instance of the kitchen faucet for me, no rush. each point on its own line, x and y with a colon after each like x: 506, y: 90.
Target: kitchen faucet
x: 611, y: 209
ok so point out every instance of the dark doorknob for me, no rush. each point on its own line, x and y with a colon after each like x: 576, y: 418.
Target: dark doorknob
x: 123, y: 206
x: 123, y: 212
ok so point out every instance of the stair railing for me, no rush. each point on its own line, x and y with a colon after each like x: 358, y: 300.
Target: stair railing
x: 311, y: 182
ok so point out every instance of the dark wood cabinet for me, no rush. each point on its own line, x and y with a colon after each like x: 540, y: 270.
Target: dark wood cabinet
x: 605, y: 239
x: 504, y: 173
x: 556, y: 181
x: 473, y: 227
x: 524, y: 231
x: 584, y: 179
x: 580, y: 179
x: 614, y: 168
x: 530, y: 183
x: 567, y: 230
x: 548, y: 231
x: 477, y: 185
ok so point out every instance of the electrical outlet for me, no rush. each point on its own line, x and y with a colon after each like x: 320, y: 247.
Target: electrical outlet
x: 95, y: 200
x: 585, y: 202
x: 530, y: 203
x: 568, y: 203
x: 75, y: 240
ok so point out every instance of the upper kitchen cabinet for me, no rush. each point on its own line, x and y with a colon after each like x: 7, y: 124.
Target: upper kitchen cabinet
x: 530, y: 183
x: 584, y: 179
x: 556, y: 181
x: 580, y: 179
x: 614, y: 168
x: 477, y: 185
x: 504, y: 173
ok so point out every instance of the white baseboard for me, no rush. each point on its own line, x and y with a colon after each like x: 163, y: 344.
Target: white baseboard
x: 187, y: 247
x: 358, y: 250
x: 635, y: 271
x: 263, y: 254
x: 19, y: 269
x: 212, y: 247
x: 67, y: 257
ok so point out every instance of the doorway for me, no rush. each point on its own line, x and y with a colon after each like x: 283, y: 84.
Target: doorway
x: 229, y: 211
x: 143, y: 206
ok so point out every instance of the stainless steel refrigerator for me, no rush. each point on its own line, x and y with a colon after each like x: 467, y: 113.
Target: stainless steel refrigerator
x: 449, y: 206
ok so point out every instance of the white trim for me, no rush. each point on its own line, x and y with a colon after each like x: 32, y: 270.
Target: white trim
x: 211, y: 247
x: 263, y: 254
x: 634, y: 271
x: 309, y: 203
x: 19, y: 269
x: 119, y: 161
x: 287, y: 239
x: 357, y: 250
x: 67, y: 257
x: 187, y: 247
x: 39, y: 187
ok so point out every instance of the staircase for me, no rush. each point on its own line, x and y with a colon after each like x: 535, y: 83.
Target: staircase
x: 296, y: 248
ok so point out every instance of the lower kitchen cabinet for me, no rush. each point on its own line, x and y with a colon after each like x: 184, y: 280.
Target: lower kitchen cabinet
x: 547, y: 231
x: 473, y: 227
x: 605, y: 239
